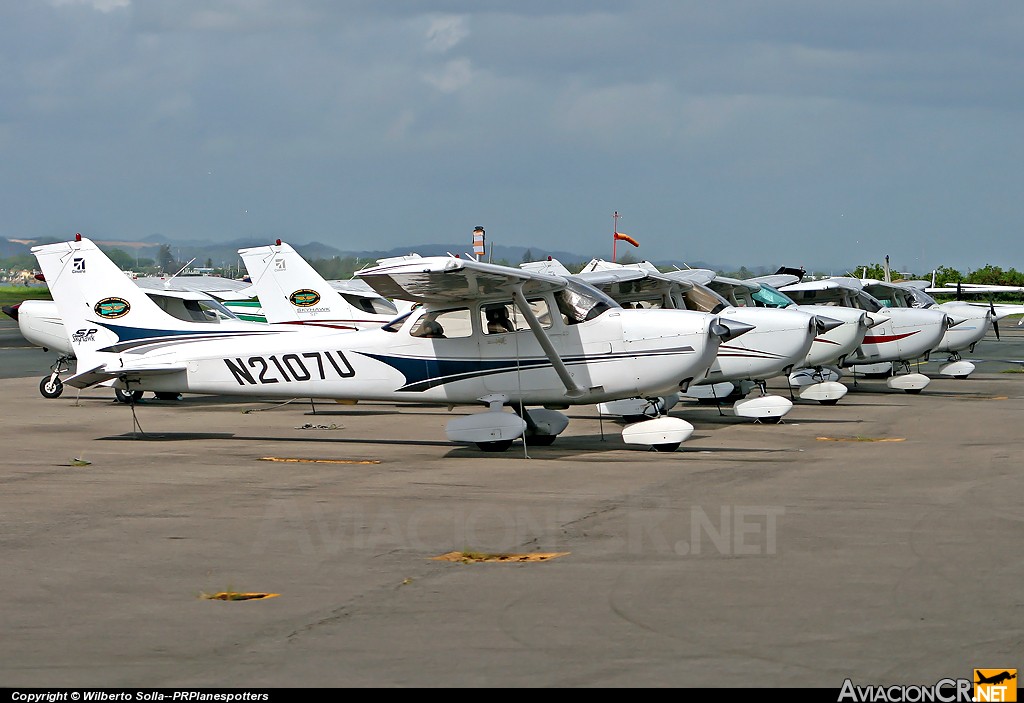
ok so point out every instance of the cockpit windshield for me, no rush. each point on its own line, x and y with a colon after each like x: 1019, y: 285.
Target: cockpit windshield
x: 920, y: 299
x: 768, y: 297
x: 703, y: 299
x: 580, y: 302
x: 890, y: 296
x: 868, y: 302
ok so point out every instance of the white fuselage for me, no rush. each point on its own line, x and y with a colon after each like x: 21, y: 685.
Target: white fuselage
x: 619, y: 354
x: 974, y: 324
x: 834, y: 346
x: 779, y: 342
x: 40, y: 323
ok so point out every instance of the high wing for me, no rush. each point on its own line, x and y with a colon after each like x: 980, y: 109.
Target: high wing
x: 701, y: 276
x: 776, y: 280
x: 826, y: 284
x: 443, y: 280
x: 216, y: 286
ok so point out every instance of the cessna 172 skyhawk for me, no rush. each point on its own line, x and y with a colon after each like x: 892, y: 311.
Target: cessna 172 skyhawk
x: 782, y: 338
x: 903, y: 335
x: 830, y: 348
x: 972, y: 322
x: 580, y: 347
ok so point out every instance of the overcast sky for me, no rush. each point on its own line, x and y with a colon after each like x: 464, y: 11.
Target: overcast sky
x: 759, y: 133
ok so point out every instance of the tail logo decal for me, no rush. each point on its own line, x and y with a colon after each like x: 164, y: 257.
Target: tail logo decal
x: 304, y: 298
x: 112, y: 308
x: 78, y: 265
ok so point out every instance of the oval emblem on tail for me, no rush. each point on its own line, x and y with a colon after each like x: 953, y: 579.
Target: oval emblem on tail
x: 112, y: 307
x: 304, y: 298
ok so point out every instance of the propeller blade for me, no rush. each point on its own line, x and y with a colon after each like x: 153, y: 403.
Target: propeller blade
x: 995, y: 318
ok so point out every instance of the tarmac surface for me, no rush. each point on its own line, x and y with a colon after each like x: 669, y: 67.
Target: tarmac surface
x: 877, y: 540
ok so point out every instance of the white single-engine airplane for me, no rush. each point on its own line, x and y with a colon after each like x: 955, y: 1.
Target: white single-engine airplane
x: 901, y: 336
x: 571, y: 345
x: 972, y: 322
x: 830, y: 348
x: 780, y: 340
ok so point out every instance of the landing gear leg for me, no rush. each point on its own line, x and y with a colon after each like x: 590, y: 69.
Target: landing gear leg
x: 51, y: 386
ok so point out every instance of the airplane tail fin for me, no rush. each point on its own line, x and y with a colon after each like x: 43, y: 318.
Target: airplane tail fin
x: 104, y: 312
x: 291, y: 290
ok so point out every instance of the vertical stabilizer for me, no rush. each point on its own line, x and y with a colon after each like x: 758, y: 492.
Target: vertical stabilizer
x: 292, y: 291
x: 98, y: 303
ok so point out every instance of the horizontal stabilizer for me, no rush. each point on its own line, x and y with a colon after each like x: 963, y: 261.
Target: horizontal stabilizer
x: 99, y: 374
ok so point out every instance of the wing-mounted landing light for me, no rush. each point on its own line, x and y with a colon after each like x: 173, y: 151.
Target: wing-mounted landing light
x: 729, y: 329
x: 821, y: 324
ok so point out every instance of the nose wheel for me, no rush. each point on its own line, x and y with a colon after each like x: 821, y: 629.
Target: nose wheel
x: 51, y: 386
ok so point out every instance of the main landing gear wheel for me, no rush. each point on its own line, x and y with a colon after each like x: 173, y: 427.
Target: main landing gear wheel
x: 127, y: 396
x: 497, y: 446
x: 668, y: 447
x: 51, y: 387
x: 831, y: 401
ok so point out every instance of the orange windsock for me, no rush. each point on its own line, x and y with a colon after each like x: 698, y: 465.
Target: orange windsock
x: 626, y: 238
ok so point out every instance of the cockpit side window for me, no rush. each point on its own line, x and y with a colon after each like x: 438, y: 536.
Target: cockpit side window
x: 502, y: 317
x: 446, y: 324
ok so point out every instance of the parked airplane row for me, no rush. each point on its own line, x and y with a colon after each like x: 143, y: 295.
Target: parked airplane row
x: 522, y: 342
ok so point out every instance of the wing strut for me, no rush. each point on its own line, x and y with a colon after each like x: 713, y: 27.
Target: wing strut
x: 571, y: 389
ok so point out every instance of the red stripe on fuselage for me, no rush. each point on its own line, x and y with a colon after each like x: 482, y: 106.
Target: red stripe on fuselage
x: 879, y: 339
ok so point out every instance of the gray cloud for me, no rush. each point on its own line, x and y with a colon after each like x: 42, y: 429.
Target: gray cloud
x: 741, y: 132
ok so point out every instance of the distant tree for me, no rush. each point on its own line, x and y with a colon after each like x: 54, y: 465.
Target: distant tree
x: 209, y: 263
x: 628, y: 258
x: 121, y: 258
x: 336, y: 268
x: 165, y: 258
x: 988, y: 275
x: 944, y: 275
x: 876, y: 271
x: 527, y: 256
x: 20, y: 262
